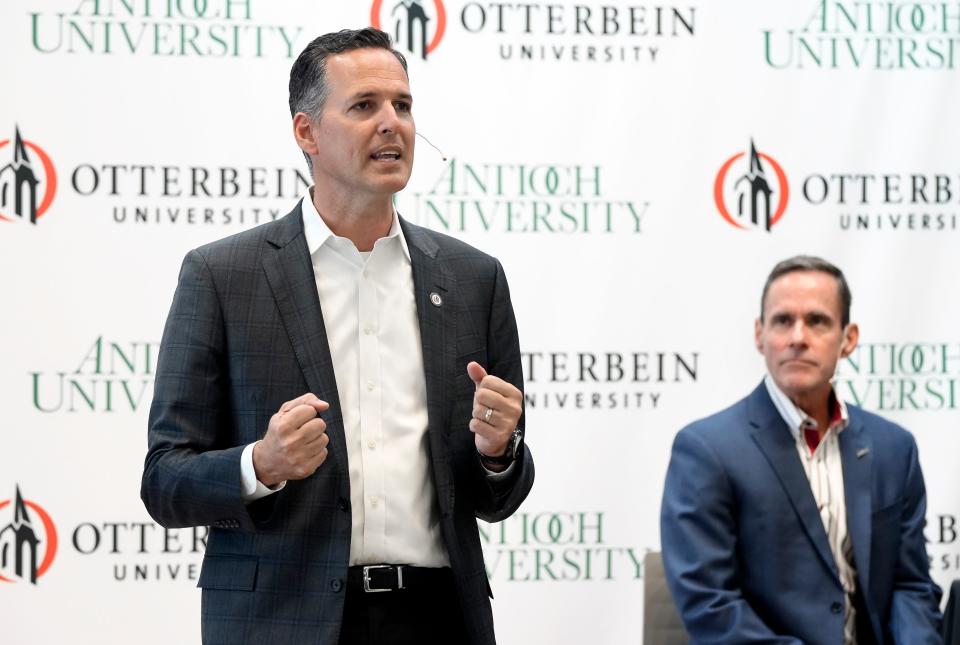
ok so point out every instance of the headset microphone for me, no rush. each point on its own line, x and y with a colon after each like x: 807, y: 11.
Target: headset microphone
x: 442, y: 156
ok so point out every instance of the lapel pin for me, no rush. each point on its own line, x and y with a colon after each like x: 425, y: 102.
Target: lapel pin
x: 436, y: 299
x: 862, y: 453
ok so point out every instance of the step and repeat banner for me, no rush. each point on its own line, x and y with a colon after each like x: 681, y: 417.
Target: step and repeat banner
x: 637, y: 167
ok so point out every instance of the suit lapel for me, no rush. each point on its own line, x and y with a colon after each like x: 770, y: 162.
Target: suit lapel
x: 435, y: 294
x: 289, y: 271
x: 776, y: 442
x: 856, y: 455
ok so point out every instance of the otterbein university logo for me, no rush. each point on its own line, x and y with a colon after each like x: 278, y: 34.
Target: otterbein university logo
x: 19, y: 558
x: 410, y: 21
x: 757, y: 203
x: 19, y: 181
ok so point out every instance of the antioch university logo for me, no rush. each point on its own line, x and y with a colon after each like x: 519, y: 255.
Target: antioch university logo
x: 27, y: 185
x: 414, y: 25
x: 23, y: 540
x: 746, y: 196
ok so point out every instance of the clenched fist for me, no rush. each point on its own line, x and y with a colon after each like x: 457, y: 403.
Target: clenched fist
x: 497, y: 406
x: 295, y: 444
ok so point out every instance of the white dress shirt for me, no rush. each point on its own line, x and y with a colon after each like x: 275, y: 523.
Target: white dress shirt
x: 824, y: 470
x: 370, y: 316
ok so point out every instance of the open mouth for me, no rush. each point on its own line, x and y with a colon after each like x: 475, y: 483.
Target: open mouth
x: 386, y: 155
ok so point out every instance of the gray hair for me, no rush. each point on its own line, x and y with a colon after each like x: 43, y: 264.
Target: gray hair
x: 811, y: 263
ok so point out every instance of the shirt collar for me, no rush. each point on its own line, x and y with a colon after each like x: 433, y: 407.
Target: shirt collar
x: 796, y: 419
x: 316, y: 231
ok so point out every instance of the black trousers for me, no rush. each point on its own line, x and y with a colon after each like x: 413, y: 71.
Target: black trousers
x: 424, y: 615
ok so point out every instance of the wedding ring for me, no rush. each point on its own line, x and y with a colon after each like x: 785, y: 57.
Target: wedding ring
x: 487, y: 415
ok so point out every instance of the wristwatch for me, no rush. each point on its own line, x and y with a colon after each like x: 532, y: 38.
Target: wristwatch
x: 513, y: 452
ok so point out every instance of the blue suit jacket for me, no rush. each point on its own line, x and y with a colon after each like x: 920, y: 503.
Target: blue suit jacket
x: 245, y: 333
x: 744, y: 548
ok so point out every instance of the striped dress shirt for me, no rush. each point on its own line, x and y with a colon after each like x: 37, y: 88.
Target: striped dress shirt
x: 822, y: 465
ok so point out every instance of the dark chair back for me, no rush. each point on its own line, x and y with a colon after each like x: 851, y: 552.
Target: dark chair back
x: 661, y: 622
x: 951, y: 616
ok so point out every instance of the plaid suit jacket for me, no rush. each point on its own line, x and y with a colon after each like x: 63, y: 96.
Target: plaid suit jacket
x: 245, y: 334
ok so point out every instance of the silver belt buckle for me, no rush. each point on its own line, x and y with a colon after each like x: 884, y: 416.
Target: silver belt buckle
x: 366, y: 577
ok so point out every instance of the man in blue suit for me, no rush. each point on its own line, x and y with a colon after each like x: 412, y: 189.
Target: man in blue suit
x: 792, y: 517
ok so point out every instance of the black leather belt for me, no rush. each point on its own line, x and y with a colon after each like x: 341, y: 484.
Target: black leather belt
x: 375, y: 578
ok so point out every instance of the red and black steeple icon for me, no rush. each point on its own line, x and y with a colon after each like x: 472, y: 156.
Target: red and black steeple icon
x: 19, y: 179
x: 416, y: 19
x: 768, y: 193
x: 758, y: 187
x: 410, y: 23
x: 18, y: 543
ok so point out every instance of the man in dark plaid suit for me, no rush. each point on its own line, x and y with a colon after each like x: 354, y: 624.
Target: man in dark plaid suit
x: 339, y: 393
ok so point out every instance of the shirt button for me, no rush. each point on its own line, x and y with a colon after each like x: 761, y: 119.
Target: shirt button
x: 369, y: 386
x: 374, y: 501
x: 368, y: 329
x: 366, y: 274
x: 836, y: 608
x: 372, y: 444
x: 336, y: 584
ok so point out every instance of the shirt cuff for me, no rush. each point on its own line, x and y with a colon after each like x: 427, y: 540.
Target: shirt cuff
x: 250, y: 487
x: 492, y: 475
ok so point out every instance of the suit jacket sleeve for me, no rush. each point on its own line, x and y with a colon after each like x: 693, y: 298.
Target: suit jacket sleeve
x: 191, y: 475
x: 914, y: 613
x: 497, y: 500
x: 698, y: 533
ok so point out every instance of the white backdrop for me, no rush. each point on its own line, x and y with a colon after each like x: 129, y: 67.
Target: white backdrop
x: 584, y: 145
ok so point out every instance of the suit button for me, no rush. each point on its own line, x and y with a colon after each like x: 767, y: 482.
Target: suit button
x: 343, y: 504
x: 336, y: 584
x: 836, y: 608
